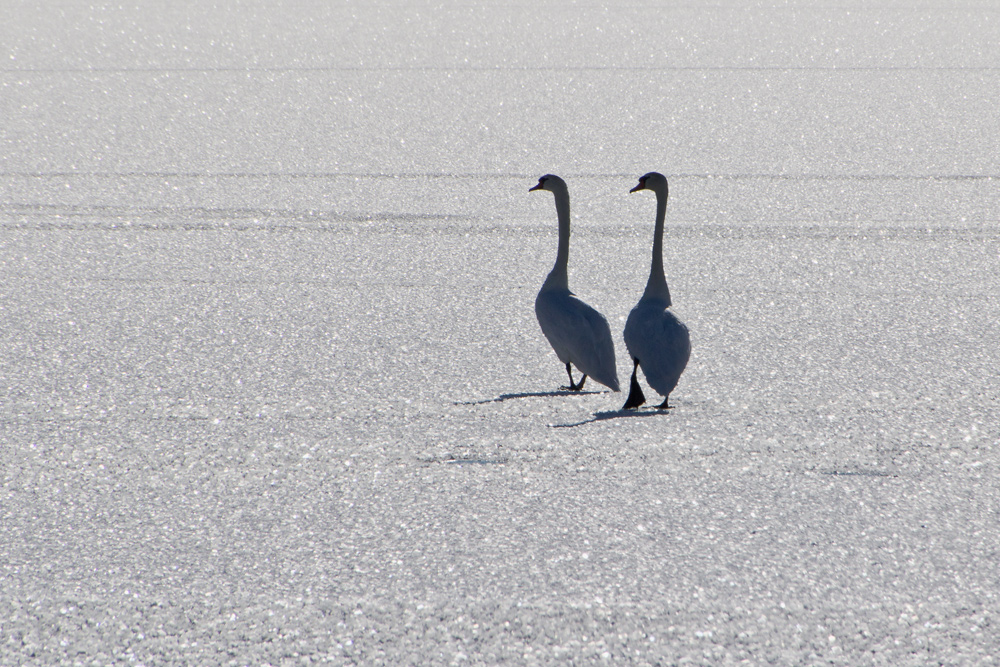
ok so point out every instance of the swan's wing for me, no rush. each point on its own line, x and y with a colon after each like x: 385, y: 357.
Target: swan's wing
x: 640, y: 332
x: 579, y: 335
x: 555, y: 319
x: 662, y: 344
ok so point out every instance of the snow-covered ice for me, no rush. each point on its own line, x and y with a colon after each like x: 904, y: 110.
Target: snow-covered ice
x: 272, y: 389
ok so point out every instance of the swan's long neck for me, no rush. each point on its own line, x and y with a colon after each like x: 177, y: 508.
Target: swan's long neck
x: 559, y: 275
x: 656, y: 286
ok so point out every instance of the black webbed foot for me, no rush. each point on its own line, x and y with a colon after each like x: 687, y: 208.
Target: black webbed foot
x: 572, y: 385
x: 635, y: 395
x: 663, y: 405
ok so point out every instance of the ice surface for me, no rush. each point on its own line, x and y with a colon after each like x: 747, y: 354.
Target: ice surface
x: 272, y: 390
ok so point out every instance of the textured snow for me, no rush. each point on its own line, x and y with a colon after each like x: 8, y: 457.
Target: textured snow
x: 272, y: 389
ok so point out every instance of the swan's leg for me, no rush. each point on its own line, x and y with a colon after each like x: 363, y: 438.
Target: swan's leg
x: 635, y: 395
x: 663, y: 405
x: 572, y: 385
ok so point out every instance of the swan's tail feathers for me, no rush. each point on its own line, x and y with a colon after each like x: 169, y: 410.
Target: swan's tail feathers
x: 604, y: 370
x: 635, y: 395
x: 611, y: 382
x: 600, y: 370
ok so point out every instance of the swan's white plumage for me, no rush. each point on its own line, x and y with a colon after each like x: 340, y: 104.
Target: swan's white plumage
x: 579, y: 334
x: 660, y: 342
x: 653, y: 335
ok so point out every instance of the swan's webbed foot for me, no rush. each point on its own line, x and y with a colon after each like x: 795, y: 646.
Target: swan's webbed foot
x: 635, y: 395
x: 663, y: 405
x: 572, y: 385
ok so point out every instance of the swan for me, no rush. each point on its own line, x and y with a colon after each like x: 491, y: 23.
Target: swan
x: 579, y: 334
x: 655, y: 338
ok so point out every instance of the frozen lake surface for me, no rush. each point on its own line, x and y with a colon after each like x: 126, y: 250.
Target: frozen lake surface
x: 272, y: 389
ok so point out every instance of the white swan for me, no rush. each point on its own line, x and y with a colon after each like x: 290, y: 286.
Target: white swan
x: 579, y: 334
x: 656, y: 339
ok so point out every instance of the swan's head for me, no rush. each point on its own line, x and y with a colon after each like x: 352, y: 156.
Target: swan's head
x: 654, y: 181
x: 549, y: 182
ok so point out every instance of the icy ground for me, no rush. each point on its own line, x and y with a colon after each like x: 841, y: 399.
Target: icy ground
x: 272, y: 391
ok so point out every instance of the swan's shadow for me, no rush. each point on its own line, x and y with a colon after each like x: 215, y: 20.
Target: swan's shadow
x: 613, y: 414
x: 535, y: 394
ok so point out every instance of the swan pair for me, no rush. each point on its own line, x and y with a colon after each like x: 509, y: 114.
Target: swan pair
x: 657, y: 341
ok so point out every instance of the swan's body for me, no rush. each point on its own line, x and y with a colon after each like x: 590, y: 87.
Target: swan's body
x: 657, y: 341
x: 579, y: 334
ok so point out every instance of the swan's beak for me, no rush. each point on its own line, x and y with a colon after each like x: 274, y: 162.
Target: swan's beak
x: 641, y: 186
x: 537, y: 187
